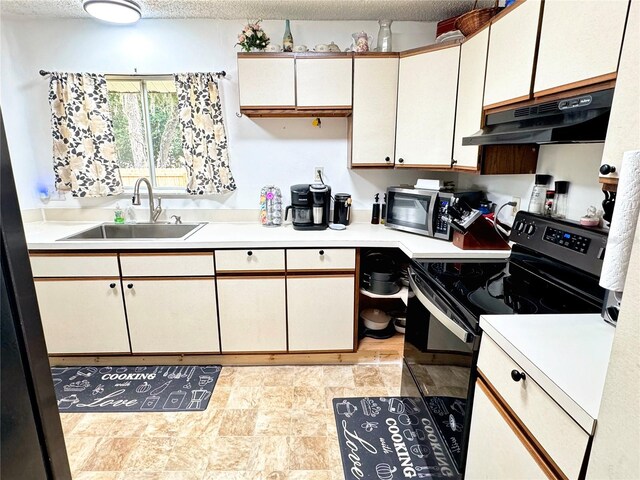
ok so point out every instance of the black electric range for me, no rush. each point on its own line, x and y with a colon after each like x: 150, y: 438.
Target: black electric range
x: 554, y: 267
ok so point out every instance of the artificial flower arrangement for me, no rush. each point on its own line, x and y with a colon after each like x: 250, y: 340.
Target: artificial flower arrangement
x: 253, y: 37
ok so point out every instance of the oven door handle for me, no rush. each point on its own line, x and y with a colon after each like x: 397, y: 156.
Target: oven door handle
x: 448, y: 323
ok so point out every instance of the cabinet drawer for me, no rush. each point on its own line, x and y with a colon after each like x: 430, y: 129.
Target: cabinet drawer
x: 74, y: 265
x: 166, y: 265
x: 321, y: 259
x: 249, y: 260
x: 553, y: 428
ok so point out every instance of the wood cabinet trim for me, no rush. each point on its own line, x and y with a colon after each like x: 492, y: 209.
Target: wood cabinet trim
x: 165, y: 254
x: 58, y: 253
x: 270, y: 112
x: 430, y: 48
x: 536, y: 450
x: 510, y: 103
x: 595, y: 82
x: 69, y: 279
x: 423, y: 166
x: 148, y: 278
x: 250, y: 273
x: 358, y: 55
x: 596, y: 87
x: 307, y: 273
x: 372, y: 165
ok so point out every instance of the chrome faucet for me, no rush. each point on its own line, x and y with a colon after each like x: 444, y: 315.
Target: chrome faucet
x: 154, y: 212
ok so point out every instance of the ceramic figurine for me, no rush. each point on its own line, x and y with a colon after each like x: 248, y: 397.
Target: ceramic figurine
x: 360, y: 42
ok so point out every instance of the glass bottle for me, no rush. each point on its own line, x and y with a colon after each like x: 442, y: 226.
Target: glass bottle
x: 287, y: 40
x: 560, y: 200
x: 384, y: 36
x: 538, y: 194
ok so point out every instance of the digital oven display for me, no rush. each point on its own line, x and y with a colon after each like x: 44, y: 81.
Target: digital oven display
x: 572, y: 241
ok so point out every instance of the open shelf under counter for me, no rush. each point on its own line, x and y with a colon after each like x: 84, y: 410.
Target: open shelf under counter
x: 403, y: 294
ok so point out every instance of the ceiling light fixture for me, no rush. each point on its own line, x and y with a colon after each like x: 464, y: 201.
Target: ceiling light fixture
x: 113, y: 11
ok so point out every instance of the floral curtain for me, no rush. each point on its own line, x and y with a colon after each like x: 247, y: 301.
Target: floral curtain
x: 84, y: 154
x: 204, y: 140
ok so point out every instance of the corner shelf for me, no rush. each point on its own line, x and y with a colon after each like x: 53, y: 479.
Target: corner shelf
x: 403, y: 294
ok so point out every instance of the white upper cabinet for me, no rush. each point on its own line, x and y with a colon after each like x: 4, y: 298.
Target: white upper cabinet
x: 373, y: 122
x: 473, y: 62
x: 623, y: 133
x: 324, y: 81
x: 579, y: 41
x: 266, y: 82
x: 512, y: 47
x: 426, y: 107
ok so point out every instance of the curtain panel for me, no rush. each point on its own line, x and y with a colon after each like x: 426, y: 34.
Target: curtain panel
x: 204, y: 140
x: 84, y: 154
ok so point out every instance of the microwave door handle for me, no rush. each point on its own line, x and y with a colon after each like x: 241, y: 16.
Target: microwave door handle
x: 448, y: 323
x: 434, y: 208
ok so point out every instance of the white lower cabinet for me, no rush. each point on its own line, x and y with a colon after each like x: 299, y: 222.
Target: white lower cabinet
x: 321, y: 312
x: 252, y: 314
x: 172, y: 315
x: 82, y: 316
x: 496, y: 451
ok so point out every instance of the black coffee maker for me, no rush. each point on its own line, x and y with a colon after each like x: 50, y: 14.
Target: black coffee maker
x: 310, y: 206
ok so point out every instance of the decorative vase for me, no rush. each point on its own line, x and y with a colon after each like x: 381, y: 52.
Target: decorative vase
x: 385, y: 36
x: 361, y: 42
x: 287, y: 40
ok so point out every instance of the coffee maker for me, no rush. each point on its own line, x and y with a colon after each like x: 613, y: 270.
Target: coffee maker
x: 310, y: 206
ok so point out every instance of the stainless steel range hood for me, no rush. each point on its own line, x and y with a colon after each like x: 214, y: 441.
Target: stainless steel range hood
x: 577, y: 119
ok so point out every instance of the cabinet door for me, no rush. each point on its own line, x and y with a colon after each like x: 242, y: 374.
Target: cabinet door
x: 373, y: 127
x: 473, y: 63
x: 579, y: 41
x: 320, y: 312
x: 252, y: 314
x: 623, y: 133
x: 426, y: 107
x: 505, y: 456
x: 83, y: 316
x: 512, y: 47
x: 172, y: 315
x: 266, y: 81
x: 324, y: 82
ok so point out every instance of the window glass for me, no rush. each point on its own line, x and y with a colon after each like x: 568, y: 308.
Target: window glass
x: 138, y: 107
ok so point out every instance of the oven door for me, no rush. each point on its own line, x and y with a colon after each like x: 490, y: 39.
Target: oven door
x: 411, y: 210
x: 440, y: 353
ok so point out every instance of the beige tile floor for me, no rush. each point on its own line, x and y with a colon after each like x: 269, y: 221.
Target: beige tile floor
x: 262, y: 423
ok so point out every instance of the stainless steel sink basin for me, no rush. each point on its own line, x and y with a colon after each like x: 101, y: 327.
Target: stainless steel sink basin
x: 137, y: 231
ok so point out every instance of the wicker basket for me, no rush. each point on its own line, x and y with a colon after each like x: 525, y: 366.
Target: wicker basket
x: 472, y: 21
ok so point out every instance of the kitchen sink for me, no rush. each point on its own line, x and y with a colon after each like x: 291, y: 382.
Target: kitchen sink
x: 137, y: 231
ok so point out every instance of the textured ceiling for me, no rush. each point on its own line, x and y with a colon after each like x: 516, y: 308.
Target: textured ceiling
x: 419, y: 10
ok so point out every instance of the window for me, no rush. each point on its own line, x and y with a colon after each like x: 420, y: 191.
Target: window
x: 145, y: 124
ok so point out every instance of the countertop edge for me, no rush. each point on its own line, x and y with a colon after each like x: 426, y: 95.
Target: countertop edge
x: 568, y: 404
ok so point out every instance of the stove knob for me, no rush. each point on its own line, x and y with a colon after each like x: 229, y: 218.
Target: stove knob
x: 530, y: 229
x: 520, y: 226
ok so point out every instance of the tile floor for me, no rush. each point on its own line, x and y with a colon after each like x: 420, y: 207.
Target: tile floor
x: 262, y: 423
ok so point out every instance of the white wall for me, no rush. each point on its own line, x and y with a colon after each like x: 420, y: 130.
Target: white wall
x: 577, y: 164
x: 262, y: 151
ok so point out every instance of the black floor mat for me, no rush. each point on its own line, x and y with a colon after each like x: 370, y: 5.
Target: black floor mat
x: 388, y: 438
x: 134, y: 389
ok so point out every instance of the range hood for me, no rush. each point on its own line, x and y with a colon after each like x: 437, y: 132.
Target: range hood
x: 577, y: 119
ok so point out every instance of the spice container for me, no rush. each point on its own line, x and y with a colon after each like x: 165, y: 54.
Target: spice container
x: 548, y: 204
x: 560, y: 200
x: 538, y: 194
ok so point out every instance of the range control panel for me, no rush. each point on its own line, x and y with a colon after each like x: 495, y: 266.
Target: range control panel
x: 566, y: 239
x: 563, y: 240
x: 441, y: 225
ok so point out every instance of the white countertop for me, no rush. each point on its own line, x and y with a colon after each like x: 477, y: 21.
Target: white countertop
x: 567, y: 355
x: 44, y: 236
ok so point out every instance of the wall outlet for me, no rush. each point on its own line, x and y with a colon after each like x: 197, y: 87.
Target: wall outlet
x: 318, y: 174
x: 516, y: 208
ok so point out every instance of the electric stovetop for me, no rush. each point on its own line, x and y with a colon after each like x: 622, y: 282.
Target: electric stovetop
x: 524, y: 284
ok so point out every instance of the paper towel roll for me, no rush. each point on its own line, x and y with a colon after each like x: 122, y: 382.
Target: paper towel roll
x: 623, y: 224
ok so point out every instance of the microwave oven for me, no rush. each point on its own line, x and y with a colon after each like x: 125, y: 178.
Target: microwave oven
x: 424, y: 211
